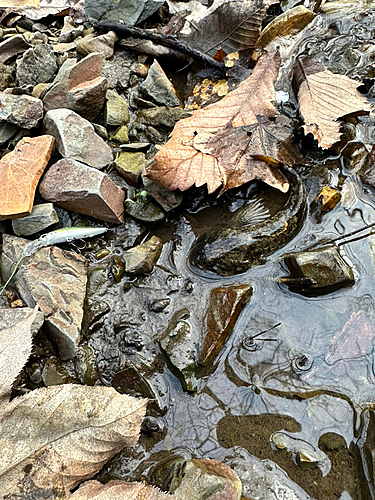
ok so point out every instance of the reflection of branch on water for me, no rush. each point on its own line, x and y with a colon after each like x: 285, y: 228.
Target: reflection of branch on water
x: 265, y: 331
x: 344, y: 236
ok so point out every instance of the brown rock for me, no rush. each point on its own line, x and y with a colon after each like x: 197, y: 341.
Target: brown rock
x: 6, y: 76
x: 225, y: 305
x: 12, y: 46
x: 103, y: 44
x: 20, y: 172
x: 82, y: 88
x: 72, y: 185
x: 142, y: 258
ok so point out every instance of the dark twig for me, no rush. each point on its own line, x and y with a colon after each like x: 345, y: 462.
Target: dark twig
x: 167, y: 40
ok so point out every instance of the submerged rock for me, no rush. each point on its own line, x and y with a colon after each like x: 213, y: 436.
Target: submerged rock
x: 142, y: 258
x: 240, y: 244
x: 41, y: 217
x: 56, y: 281
x: 17, y: 184
x: 74, y: 186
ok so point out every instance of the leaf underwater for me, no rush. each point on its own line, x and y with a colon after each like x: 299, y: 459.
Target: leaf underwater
x: 119, y: 490
x: 53, y: 438
x: 187, y: 158
x: 323, y: 98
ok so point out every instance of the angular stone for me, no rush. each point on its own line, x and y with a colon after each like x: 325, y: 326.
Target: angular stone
x: 61, y: 48
x: 129, y: 12
x: 224, y: 307
x: 116, y: 110
x: 20, y: 172
x: 6, y: 76
x: 75, y: 186
x: 145, y: 212
x: 41, y: 217
x: 69, y: 31
x: 76, y: 138
x: 21, y: 110
x: 121, y: 136
x: 117, y: 71
x: 104, y: 44
x: 142, y: 258
x: 10, y: 317
x: 162, y: 115
x: 38, y: 65
x: 169, y: 200
x: 12, y: 46
x: 65, y: 69
x: 158, y: 87
x: 56, y: 281
x: 7, y: 131
x: 81, y: 89
x: 129, y: 166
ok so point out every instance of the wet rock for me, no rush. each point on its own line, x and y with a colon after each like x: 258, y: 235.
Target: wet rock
x: 38, y: 65
x: 76, y: 138
x: 21, y: 110
x: 158, y: 305
x: 121, y: 135
x: 145, y: 212
x: 6, y: 76
x: 81, y: 88
x: 17, y: 185
x: 179, y: 343
x: 116, y: 110
x: 85, y: 365
x: 56, y: 281
x: 41, y: 217
x: 54, y: 373
x: 204, y: 479
x: 69, y: 31
x: 75, y: 186
x: 158, y: 87
x: 130, y: 381
x: 142, y: 258
x: 329, y: 198
x: 129, y: 12
x: 129, y: 166
x: 7, y: 131
x: 104, y: 44
x: 10, y: 317
x: 12, y: 46
x: 224, y: 307
x: 169, y: 200
x: 317, y: 272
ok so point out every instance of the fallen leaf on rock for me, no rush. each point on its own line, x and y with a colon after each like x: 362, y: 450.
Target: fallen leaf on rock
x: 37, y: 9
x: 55, y: 437
x: 119, y: 490
x: 208, y: 148
x: 324, y: 97
x: 15, y: 348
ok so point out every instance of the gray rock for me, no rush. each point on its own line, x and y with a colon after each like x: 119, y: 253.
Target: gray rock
x: 142, y: 258
x: 162, y: 115
x: 56, y: 281
x: 7, y: 131
x: 10, y: 317
x: 116, y: 111
x: 117, y: 71
x: 81, y: 88
x: 167, y: 199
x: 41, y: 217
x: 38, y: 65
x: 21, y: 110
x: 76, y: 138
x: 158, y: 87
x: 145, y: 212
x: 12, y: 46
x: 69, y: 31
x: 129, y: 12
x: 75, y: 186
x: 104, y: 44
x: 6, y: 76
x: 65, y: 69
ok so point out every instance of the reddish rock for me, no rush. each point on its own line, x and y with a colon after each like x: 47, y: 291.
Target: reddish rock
x: 20, y: 172
x: 72, y: 185
x: 82, y: 89
x: 12, y: 46
x: 76, y: 138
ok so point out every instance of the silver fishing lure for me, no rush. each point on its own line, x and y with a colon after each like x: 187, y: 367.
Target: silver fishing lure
x: 63, y: 235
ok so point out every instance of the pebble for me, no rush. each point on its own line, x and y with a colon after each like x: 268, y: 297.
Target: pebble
x: 116, y: 111
x: 142, y: 258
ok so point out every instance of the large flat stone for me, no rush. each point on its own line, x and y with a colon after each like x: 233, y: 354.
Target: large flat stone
x: 81, y: 89
x: 56, y: 281
x: 76, y: 138
x: 21, y: 110
x: 74, y: 186
x: 20, y: 172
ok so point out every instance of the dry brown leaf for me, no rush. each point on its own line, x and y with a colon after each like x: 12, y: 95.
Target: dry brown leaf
x: 15, y: 348
x: 187, y: 157
x: 119, y: 490
x: 324, y: 97
x: 55, y: 437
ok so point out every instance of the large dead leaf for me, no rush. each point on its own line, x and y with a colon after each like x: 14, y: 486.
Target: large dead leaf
x: 55, y: 437
x: 229, y: 25
x: 194, y: 155
x: 119, y: 490
x: 15, y: 348
x: 324, y: 97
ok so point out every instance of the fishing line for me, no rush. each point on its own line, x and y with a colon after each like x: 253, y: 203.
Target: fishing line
x: 13, y: 273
